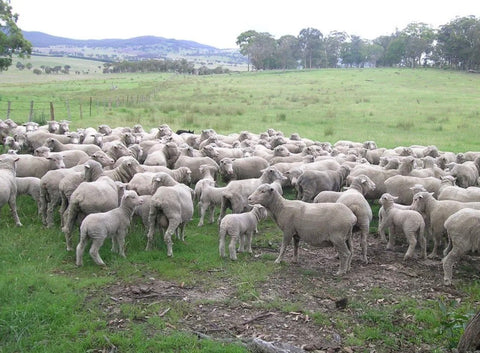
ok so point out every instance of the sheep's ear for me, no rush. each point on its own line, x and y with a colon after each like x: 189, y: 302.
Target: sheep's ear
x: 394, y: 198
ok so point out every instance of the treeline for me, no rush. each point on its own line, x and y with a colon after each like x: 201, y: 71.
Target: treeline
x: 163, y: 65
x: 454, y: 45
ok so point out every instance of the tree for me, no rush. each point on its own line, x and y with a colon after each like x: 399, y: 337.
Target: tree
x: 11, y: 37
x: 310, y: 40
x: 419, y: 39
x: 333, y: 47
x: 244, y: 41
x: 288, y: 52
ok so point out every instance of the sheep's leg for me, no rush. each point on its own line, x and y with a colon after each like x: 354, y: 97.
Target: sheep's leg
x: 412, y: 241
x: 381, y: 228
x: 436, y: 244
x: 448, y: 248
x: 42, y: 206
x: 12, y: 202
x: 81, y: 248
x: 181, y: 230
x: 223, y: 209
x: 287, y: 238
x: 96, y: 245
x: 241, y: 245
x: 120, y: 240
x: 172, y: 226
x: 54, y: 201
x: 211, y: 209
x: 296, y: 242
x: 202, y: 213
x: 344, y: 253
x: 249, y: 242
x: 364, y: 229
x: 391, y: 238
x: 63, y: 208
x: 221, y: 242
x: 152, y: 217
x: 67, y: 228
x: 448, y: 262
x: 349, y: 243
x: 232, y: 246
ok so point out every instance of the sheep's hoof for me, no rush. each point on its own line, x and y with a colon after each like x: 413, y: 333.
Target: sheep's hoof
x: 432, y: 256
x: 19, y: 224
x: 340, y: 273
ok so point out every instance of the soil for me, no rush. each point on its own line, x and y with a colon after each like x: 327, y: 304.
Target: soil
x: 216, y: 313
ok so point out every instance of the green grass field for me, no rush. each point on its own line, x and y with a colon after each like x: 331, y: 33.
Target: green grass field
x: 49, y: 305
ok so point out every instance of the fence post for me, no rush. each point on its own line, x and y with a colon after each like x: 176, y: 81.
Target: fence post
x: 68, y: 110
x: 30, y: 116
x: 9, y: 108
x: 52, y: 112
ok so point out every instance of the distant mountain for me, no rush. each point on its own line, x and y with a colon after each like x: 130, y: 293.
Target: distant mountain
x: 42, y: 40
x: 138, y: 48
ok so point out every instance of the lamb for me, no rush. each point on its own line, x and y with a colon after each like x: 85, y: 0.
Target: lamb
x: 409, y: 222
x: 355, y: 200
x: 240, y: 226
x: 208, y: 178
x: 210, y: 197
x: 8, y: 185
x: 312, y: 182
x: 435, y: 213
x: 236, y: 192
x: 29, y: 186
x: 113, y: 223
x: 172, y: 205
x: 32, y: 166
x: 400, y: 186
x: 463, y: 229
x: 318, y: 224
x: 457, y: 193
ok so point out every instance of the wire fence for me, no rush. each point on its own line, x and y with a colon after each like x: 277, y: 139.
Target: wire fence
x: 43, y: 110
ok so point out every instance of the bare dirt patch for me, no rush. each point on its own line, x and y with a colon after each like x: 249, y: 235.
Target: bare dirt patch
x: 299, y: 304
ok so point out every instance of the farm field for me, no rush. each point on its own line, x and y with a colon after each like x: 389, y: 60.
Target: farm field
x: 198, y: 302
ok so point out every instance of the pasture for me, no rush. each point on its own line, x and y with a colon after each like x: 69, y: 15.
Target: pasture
x: 198, y: 302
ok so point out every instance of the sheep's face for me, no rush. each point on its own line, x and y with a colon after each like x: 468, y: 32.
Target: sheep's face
x: 262, y: 195
x: 387, y: 199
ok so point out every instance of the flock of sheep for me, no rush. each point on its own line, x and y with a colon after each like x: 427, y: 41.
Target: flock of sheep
x: 101, y: 178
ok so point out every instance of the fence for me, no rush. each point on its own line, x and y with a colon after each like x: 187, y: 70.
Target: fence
x: 41, y: 110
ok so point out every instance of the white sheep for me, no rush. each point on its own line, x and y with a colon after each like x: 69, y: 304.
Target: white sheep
x: 240, y: 227
x: 8, y: 185
x: 29, y: 186
x: 210, y: 198
x: 409, y: 222
x: 463, y: 229
x: 318, y: 224
x: 113, y: 223
x: 33, y: 166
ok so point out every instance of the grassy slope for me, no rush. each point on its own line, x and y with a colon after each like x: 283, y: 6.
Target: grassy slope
x: 47, y: 304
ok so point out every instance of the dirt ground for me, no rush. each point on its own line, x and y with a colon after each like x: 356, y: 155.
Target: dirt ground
x: 310, y: 282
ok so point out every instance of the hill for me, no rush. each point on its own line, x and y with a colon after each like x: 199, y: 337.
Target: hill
x: 137, y: 48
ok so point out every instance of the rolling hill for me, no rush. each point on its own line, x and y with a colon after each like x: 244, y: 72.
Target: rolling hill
x: 137, y: 48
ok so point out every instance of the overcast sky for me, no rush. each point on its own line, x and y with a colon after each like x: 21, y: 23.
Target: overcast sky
x: 218, y: 23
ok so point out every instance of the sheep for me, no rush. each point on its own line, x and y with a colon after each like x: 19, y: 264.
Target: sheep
x: 194, y: 163
x: 449, y: 191
x: 37, y: 138
x: 218, y: 153
x: 377, y: 174
x: 208, y: 177
x: 32, y: 166
x: 312, y: 182
x: 242, y: 168
x: 236, y: 192
x: 172, y: 203
x: 463, y: 229
x: 435, y: 213
x: 8, y: 185
x: 400, y: 186
x: 93, y: 170
x: 50, y: 193
x: 181, y: 174
x: 240, y: 226
x: 466, y: 174
x: 104, y: 159
x: 318, y: 224
x: 115, y: 149
x: 210, y: 197
x: 409, y: 222
x: 70, y: 158
x: 100, y: 195
x: 113, y: 223
x: 355, y: 200
x: 29, y: 186
x: 56, y: 146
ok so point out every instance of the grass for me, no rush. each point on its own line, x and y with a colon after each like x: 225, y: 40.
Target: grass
x: 47, y: 304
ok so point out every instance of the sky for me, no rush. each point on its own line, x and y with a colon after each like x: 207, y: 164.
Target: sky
x: 218, y: 23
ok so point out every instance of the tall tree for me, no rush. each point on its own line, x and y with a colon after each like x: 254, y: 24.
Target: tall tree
x: 310, y: 40
x: 11, y: 37
x: 288, y: 52
x: 419, y: 39
x: 333, y: 47
x: 244, y: 41
x: 262, y: 50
